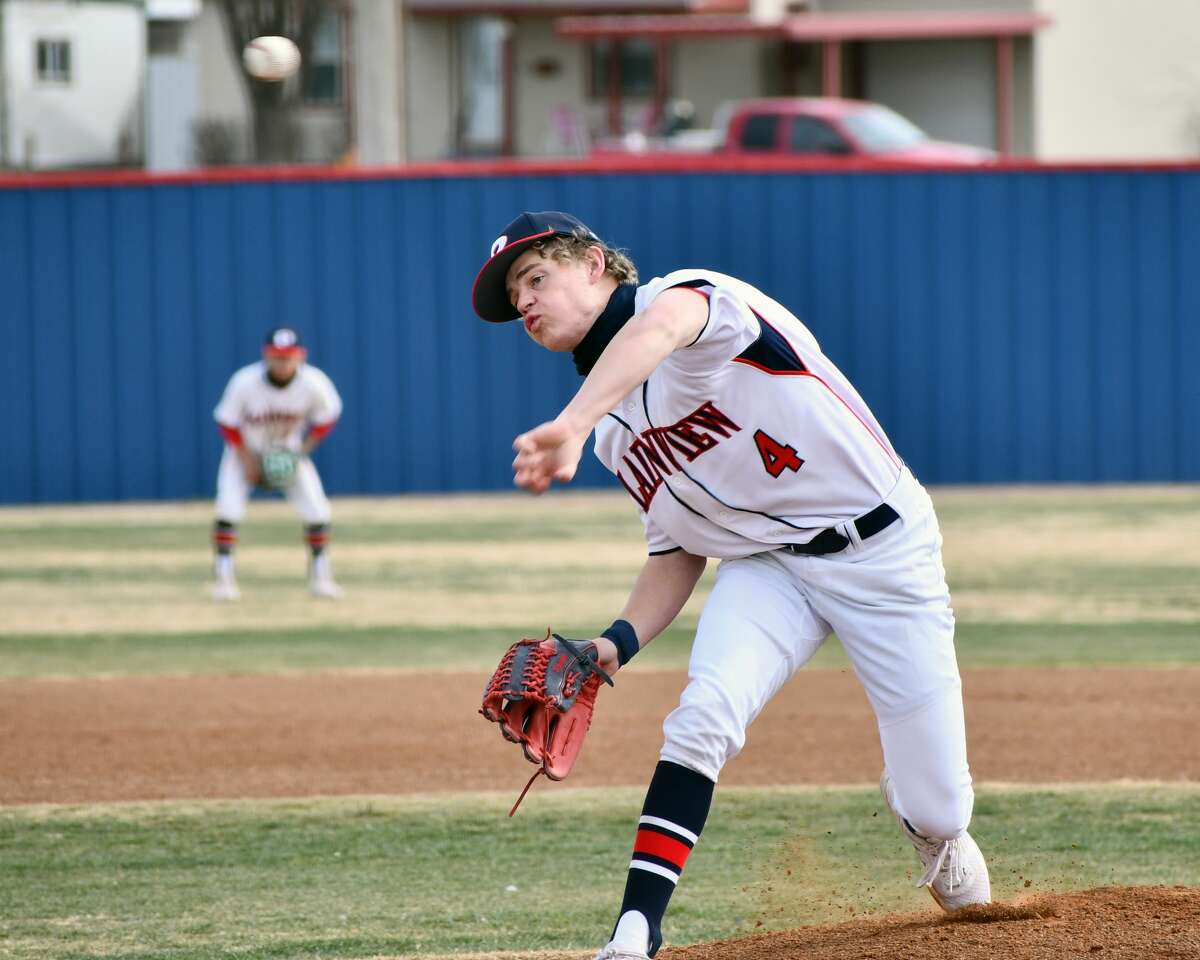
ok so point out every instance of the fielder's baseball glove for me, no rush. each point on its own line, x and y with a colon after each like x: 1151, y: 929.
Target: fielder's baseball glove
x: 542, y: 695
x: 278, y: 468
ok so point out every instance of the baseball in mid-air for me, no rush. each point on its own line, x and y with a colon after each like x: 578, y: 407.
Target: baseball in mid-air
x: 271, y: 58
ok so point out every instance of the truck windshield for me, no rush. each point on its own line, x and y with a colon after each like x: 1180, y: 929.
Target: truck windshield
x: 879, y: 130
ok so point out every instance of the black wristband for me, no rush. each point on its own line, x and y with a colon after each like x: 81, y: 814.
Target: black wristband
x: 622, y: 634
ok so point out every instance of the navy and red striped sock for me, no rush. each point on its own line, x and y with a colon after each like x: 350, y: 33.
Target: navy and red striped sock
x: 224, y: 537
x: 316, y: 535
x: 673, y: 816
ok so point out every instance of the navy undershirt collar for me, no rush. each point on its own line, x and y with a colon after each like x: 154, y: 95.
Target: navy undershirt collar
x: 614, y: 317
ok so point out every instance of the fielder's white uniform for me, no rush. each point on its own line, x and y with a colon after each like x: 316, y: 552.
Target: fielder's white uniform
x: 750, y: 439
x: 267, y: 417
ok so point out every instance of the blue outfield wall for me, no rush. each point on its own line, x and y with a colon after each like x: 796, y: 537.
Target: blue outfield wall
x: 1016, y: 325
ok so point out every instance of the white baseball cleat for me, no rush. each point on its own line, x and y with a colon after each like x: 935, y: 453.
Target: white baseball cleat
x: 621, y: 953
x: 325, y: 588
x: 226, y: 589
x: 632, y: 929
x: 224, y: 586
x: 955, y: 871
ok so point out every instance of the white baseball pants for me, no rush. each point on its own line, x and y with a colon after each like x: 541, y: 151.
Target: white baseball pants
x: 887, y: 600
x: 306, y: 494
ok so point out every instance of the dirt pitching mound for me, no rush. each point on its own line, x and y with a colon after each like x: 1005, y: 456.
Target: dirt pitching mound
x: 1101, y: 924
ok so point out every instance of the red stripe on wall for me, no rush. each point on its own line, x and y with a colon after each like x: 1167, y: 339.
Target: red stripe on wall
x: 604, y: 165
x: 659, y: 845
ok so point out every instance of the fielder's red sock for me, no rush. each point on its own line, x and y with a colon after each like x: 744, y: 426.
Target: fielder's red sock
x: 672, y: 818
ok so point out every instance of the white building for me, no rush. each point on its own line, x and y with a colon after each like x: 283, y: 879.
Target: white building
x: 1116, y: 80
x: 71, y: 83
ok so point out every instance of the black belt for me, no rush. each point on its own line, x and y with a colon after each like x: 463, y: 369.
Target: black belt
x: 830, y: 541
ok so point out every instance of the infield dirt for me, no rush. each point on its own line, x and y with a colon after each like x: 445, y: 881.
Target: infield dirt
x: 154, y: 738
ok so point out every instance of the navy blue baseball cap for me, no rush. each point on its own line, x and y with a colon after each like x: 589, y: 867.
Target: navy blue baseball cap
x: 282, y: 342
x: 489, y: 296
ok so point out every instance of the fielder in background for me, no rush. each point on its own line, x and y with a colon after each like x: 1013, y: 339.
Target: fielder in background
x: 738, y: 439
x: 263, y: 415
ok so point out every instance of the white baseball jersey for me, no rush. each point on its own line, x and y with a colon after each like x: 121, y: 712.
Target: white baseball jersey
x: 747, y: 438
x: 269, y: 416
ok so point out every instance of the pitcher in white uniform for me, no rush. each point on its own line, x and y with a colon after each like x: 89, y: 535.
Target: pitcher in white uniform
x: 737, y: 439
x: 278, y: 403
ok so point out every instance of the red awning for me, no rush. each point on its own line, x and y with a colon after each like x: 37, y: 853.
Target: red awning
x: 811, y: 27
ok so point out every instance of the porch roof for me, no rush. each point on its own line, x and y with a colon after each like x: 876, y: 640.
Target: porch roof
x: 574, y: 8
x: 810, y: 27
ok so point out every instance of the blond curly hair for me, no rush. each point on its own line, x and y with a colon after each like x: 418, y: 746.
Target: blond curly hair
x: 566, y: 249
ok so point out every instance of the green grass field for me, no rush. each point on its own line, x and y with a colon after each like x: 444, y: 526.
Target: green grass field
x: 1089, y: 576
x: 1039, y: 576
x: 413, y: 649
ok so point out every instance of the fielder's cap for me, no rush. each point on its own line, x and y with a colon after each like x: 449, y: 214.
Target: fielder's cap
x: 283, y: 341
x: 489, y: 296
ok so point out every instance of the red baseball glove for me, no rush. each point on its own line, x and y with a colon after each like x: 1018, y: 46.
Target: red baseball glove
x: 542, y: 695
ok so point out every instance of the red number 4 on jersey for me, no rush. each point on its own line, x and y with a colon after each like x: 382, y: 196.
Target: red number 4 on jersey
x: 776, y: 457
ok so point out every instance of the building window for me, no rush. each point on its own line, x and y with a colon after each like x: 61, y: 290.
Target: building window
x: 635, y: 65
x: 164, y: 38
x: 54, y: 61
x: 323, y: 68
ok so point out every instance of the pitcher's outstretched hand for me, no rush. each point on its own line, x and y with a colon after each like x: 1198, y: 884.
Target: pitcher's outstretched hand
x: 545, y: 453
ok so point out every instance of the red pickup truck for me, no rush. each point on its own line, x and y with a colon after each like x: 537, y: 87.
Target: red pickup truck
x: 831, y: 127
x: 823, y: 129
